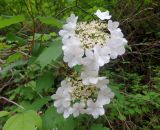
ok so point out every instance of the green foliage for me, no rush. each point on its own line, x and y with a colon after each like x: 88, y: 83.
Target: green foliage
x: 7, y: 21
x: 32, y: 66
x: 53, y: 120
x: 51, y: 21
x: 4, y: 113
x: 36, y: 105
x: 44, y: 82
x: 50, y: 54
x: 98, y: 127
x: 27, y: 120
x: 11, y: 38
x: 11, y: 66
x: 14, y: 57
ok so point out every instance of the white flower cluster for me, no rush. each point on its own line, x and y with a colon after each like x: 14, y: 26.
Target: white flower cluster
x: 90, y: 44
x: 73, y: 97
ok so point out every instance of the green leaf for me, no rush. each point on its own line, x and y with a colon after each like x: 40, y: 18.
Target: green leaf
x: 53, y: 120
x: 12, y: 65
x: 12, y: 37
x: 4, y: 46
x: 50, y: 54
x: 27, y: 92
x: 39, y: 103
x: 14, y: 57
x: 98, y: 127
x: 68, y: 124
x: 147, y: 1
x: 122, y: 117
x: 28, y: 120
x: 36, y: 105
x: 128, y: 47
x: 44, y: 82
x: 4, y: 113
x: 50, y: 21
x: 4, y: 22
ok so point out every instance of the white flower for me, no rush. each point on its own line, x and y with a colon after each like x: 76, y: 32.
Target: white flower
x: 66, y: 86
x: 95, y: 109
x: 116, y: 34
x: 90, y: 60
x: 90, y: 77
x: 78, y: 108
x: 102, y: 54
x: 73, y: 56
x: 74, y: 41
x: 74, y: 97
x: 72, y: 19
x: 116, y: 46
x: 103, y: 15
x: 116, y: 43
x: 88, y: 44
x: 98, y: 57
x: 69, y: 28
x: 66, y: 34
x: 102, y: 83
x: 105, y: 95
x: 72, y: 52
x: 66, y: 111
x: 61, y: 98
x: 112, y: 25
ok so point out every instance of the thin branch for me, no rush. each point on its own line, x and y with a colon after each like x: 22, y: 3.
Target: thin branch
x: 109, y: 122
x: 30, y: 12
x: 127, y: 125
x: 85, y: 11
x: 12, y: 102
x: 129, y: 19
x: 34, y: 25
x: 76, y: 6
x: 65, y: 9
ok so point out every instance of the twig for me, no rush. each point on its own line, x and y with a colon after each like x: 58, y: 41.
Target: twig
x: 30, y: 12
x: 12, y: 102
x: 127, y: 125
x: 76, y: 6
x: 65, y: 9
x: 109, y: 122
x: 132, y: 17
x: 85, y: 11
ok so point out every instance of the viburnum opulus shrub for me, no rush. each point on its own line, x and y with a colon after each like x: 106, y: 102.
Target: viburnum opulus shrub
x: 91, y: 45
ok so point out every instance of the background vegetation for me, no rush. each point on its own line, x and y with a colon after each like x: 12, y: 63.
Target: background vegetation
x: 32, y: 68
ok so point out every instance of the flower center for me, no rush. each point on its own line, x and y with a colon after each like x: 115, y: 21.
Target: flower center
x: 82, y: 92
x: 92, y: 33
